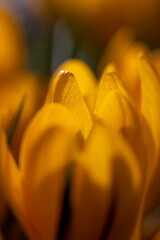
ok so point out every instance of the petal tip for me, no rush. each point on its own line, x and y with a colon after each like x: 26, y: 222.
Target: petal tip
x: 65, y: 73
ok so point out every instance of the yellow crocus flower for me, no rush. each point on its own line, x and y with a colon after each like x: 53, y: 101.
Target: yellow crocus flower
x: 124, y: 61
x: 36, y: 189
x: 86, y: 160
x: 121, y: 107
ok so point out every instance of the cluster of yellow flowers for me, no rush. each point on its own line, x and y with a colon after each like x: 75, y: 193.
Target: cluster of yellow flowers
x: 86, y: 166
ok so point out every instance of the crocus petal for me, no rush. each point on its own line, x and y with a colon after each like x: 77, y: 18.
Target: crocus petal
x: 24, y: 86
x: 110, y: 68
x: 11, y: 55
x: 122, y: 50
x: 114, y: 108
x: 150, y: 98
x: 91, y: 190
x: 150, y: 88
x: 105, y: 165
x: 44, y: 159
x: 117, y: 46
x: 128, y: 183
x: 118, y: 113
x: 65, y: 90
x: 108, y: 83
x: 12, y: 182
x: 85, y: 78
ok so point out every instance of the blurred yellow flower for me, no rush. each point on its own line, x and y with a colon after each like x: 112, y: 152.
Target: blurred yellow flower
x: 12, y: 47
x: 87, y: 158
x: 22, y: 85
x: 15, y: 84
x: 11, y: 95
x: 15, y: 81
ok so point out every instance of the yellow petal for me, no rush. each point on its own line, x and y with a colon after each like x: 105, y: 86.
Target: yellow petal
x: 12, y: 182
x: 156, y: 60
x: 150, y: 88
x: 11, y: 55
x: 123, y: 51
x: 105, y: 165
x: 91, y: 190
x: 117, y: 46
x: 49, y: 116
x: 12, y: 93
x: 85, y: 78
x: 110, y: 68
x: 65, y: 90
x: 128, y: 194
x: 113, y: 107
x: 119, y: 114
x: 150, y: 99
x: 108, y: 83
x: 116, y: 110
x: 44, y: 159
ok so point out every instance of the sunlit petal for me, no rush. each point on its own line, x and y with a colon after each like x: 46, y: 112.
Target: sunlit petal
x: 85, y: 78
x: 12, y: 181
x: 44, y: 160
x: 65, y: 90
x: 150, y: 98
x: 105, y: 165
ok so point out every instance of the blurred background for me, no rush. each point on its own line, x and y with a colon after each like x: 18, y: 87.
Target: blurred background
x: 55, y: 30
